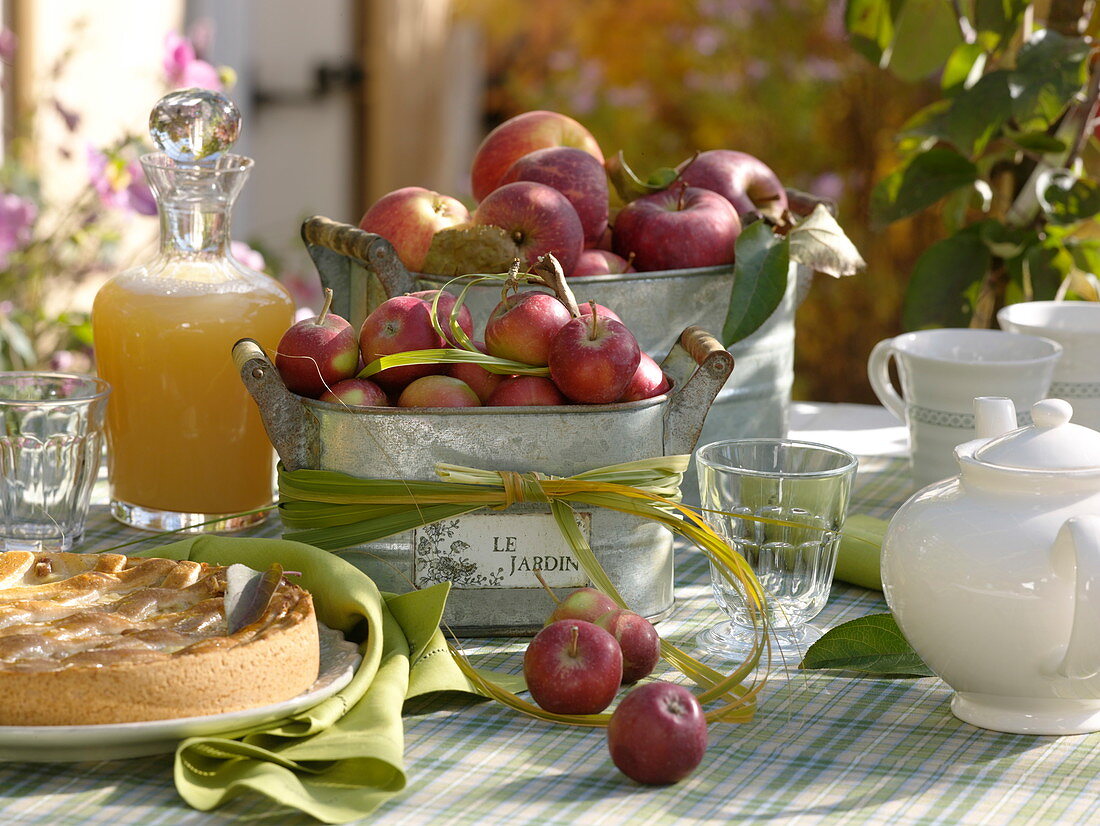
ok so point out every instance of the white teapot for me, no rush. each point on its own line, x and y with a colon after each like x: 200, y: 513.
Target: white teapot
x: 994, y: 575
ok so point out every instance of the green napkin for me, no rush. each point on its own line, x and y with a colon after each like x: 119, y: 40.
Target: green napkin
x: 857, y: 560
x: 341, y: 759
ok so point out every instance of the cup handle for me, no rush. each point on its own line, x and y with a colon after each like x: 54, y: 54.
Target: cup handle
x: 878, y: 371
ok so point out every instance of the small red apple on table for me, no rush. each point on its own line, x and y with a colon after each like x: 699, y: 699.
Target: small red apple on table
x: 538, y: 218
x: 638, y: 640
x: 657, y: 734
x: 678, y: 228
x: 573, y: 667
x: 520, y: 135
x: 409, y: 217
x: 317, y: 353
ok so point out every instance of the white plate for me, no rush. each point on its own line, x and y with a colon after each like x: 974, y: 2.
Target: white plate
x: 113, y: 741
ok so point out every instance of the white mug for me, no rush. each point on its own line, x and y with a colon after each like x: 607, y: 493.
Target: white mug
x: 1076, y: 326
x: 941, y: 372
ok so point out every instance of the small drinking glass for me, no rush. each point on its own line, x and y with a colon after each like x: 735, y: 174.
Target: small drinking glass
x: 51, y: 438
x: 804, y: 485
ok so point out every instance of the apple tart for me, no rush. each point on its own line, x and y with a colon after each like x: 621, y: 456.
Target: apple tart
x: 106, y: 638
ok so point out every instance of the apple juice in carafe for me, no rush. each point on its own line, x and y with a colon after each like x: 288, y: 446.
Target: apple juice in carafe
x: 185, y: 441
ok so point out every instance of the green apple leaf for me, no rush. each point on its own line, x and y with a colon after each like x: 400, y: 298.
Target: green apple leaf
x: 1001, y: 18
x: 870, y: 25
x: 872, y: 644
x: 1050, y: 71
x: 926, y: 33
x: 970, y: 119
x: 919, y: 183
x: 963, y: 67
x: 944, y: 276
x: 1070, y: 200
x: 819, y: 242
x: 759, y: 280
x: 247, y: 594
x: 471, y: 249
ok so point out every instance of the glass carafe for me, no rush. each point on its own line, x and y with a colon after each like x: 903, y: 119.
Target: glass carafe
x: 186, y: 447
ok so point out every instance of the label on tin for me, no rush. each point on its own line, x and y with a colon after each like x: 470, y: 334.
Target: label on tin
x: 498, y: 550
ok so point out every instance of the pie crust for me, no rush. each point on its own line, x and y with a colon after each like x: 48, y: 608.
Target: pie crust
x: 106, y: 638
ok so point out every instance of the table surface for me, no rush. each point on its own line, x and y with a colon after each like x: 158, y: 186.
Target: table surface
x: 823, y: 748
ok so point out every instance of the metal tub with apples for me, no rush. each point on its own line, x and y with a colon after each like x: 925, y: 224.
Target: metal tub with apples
x: 490, y: 557
x: 656, y: 306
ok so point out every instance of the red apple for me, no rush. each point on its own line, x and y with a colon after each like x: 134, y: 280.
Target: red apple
x: 481, y: 381
x: 356, y: 393
x: 745, y: 181
x: 522, y: 326
x: 521, y: 135
x: 677, y: 228
x: 397, y: 325
x: 586, y: 604
x: 638, y: 639
x: 438, y: 391
x: 576, y: 175
x: 445, y: 307
x: 586, y: 309
x: 538, y: 218
x: 648, y: 381
x: 573, y: 667
x: 526, y: 391
x: 317, y: 352
x: 657, y: 734
x: 593, y: 358
x: 409, y: 217
x: 601, y: 262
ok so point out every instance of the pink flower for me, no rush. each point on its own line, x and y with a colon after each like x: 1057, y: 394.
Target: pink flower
x: 120, y: 184
x: 183, y: 69
x: 17, y: 215
x: 247, y: 256
x: 8, y: 42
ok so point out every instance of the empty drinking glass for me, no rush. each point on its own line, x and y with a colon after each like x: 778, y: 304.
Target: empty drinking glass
x: 51, y: 438
x: 801, y: 485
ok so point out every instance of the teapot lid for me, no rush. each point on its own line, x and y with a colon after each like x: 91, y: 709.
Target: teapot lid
x: 1051, y: 442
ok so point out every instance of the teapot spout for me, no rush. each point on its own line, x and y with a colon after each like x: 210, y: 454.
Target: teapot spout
x: 993, y: 415
x: 1076, y: 552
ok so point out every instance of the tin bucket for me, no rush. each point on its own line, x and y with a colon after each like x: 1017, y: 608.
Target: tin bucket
x: 490, y: 557
x: 755, y: 403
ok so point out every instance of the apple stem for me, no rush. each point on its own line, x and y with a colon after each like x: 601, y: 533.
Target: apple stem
x: 680, y: 199
x: 325, y: 307
x: 549, y: 590
x: 593, y: 330
x: 574, y: 633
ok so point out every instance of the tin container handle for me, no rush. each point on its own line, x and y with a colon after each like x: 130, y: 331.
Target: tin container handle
x: 292, y: 429
x: 699, y: 366
x: 345, y: 257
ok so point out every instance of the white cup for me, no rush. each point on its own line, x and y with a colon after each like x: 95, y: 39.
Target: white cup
x: 1076, y: 326
x: 942, y: 371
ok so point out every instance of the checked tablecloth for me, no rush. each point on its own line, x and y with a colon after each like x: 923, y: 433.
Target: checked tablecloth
x: 822, y: 749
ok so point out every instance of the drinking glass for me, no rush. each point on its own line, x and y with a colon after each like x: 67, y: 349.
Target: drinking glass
x: 804, y: 485
x: 51, y: 438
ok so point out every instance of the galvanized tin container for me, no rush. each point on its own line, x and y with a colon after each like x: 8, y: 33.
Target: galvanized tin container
x: 490, y: 557
x: 755, y: 403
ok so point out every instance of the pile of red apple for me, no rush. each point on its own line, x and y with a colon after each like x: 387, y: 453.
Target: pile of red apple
x: 541, y: 178
x: 576, y: 665
x: 590, y: 358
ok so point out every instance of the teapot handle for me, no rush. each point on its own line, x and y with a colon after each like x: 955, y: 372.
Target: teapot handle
x: 1076, y: 552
